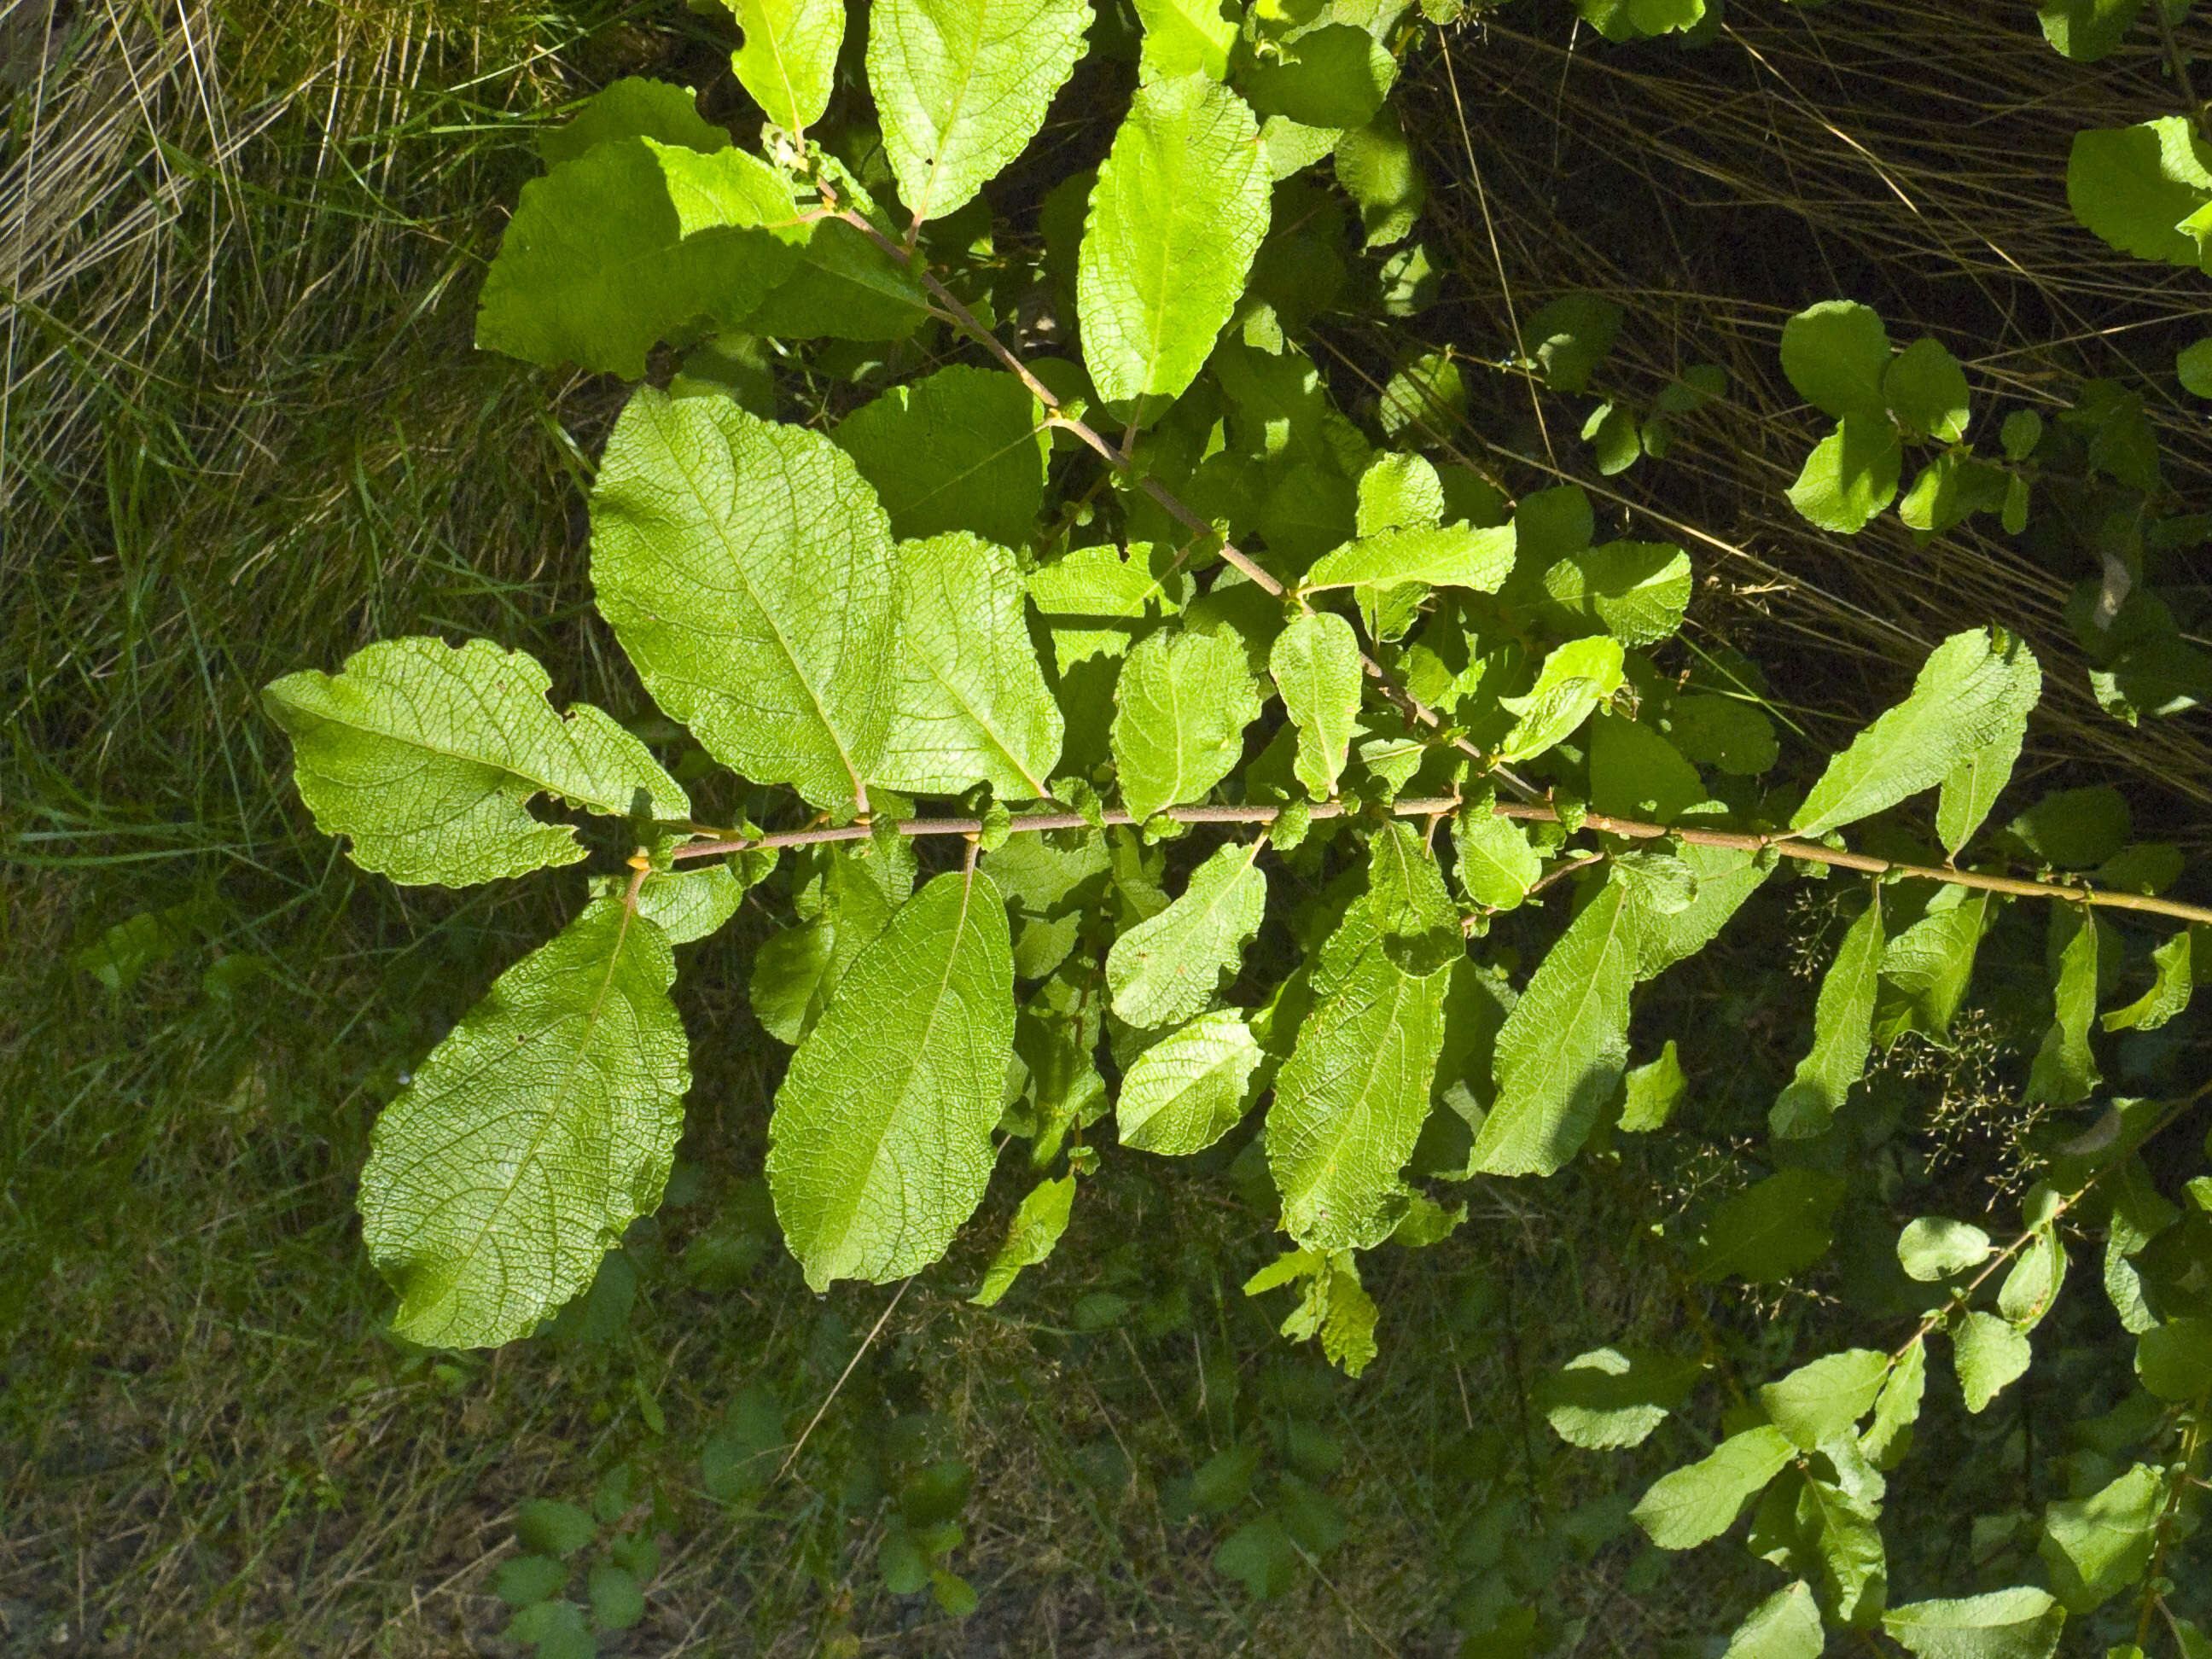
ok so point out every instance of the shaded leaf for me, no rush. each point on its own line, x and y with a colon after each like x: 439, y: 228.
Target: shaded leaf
x: 1609, y: 1399
x: 1030, y: 1238
x: 1772, y: 1231
x: 1836, y: 354
x: 1842, y: 1031
x: 962, y: 449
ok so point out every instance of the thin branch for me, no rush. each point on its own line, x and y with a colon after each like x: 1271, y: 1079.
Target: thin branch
x: 1804, y: 852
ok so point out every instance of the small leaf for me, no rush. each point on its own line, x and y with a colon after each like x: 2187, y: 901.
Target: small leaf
x: 1316, y: 666
x: 2173, y: 962
x: 962, y: 449
x: 426, y: 757
x: 543, y: 1125
x: 1842, y: 1031
x: 1850, y: 476
x: 1929, y: 965
x: 1180, y: 711
x: 1396, y: 491
x: 1933, y: 1247
x: 2134, y: 186
x: 2064, y: 1070
x: 628, y: 244
x: 1899, y: 1406
x: 1686, y: 1506
x: 1334, y: 76
x: 961, y: 86
x: 1576, y: 678
x: 1190, y: 1089
x: 1569, y: 337
x: 1443, y: 555
x: 2192, y: 364
x: 2076, y: 828
x: 1772, y: 1231
x: 1635, y: 591
x: 2096, y: 1547
x: 1608, y: 1399
x: 748, y: 573
x: 1565, y: 1046
x: 1180, y: 209
x: 2009, y: 1624
x: 1166, y: 968
x: 788, y: 62
x: 971, y: 705
x: 1495, y: 864
x: 1926, y: 391
x: 2174, y: 1359
x: 1653, y: 1093
x: 1991, y: 1354
x: 553, y: 1528
x: 1785, y: 1625
x: 523, y: 1579
x: 1031, y: 1238
x: 879, y: 1147
x: 1836, y: 354
x: 2087, y: 30
x: 1379, y: 170
x: 1824, y: 1400
x: 686, y: 904
x: 1260, y: 1556
x: 1964, y: 696
x: 617, y: 1603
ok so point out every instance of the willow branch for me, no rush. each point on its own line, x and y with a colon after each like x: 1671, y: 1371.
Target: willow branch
x: 1440, y: 807
x: 1416, y: 712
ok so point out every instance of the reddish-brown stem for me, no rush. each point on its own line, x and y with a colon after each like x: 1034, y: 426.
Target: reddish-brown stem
x: 1805, y: 852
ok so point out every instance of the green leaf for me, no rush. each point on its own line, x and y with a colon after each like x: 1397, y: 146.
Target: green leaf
x: 1378, y: 170
x: 2174, y: 1359
x: 796, y: 972
x: 1334, y: 76
x: 1842, y: 1031
x: 1899, y: 1406
x: 962, y: 449
x: 2064, y: 1069
x: 1576, y: 678
x: 1974, y: 784
x: 1825, y: 1400
x: 1635, y: 591
x: 1164, y: 970
x: 1185, y: 37
x: 1770, y: 1231
x: 686, y: 904
x: 2169, y: 992
x: 1050, y: 888
x: 972, y: 704
x: 2096, y: 1547
x: 1260, y: 1556
x: 1611, y: 431
x: 2087, y: 30
x: 748, y: 573
x: 1569, y: 338
x: 879, y: 1146
x: 630, y: 243
x: 522, y: 1579
x: 961, y: 86
x: 617, y: 1603
x: 2134, y: 186
x: 2009, y: 1624
x: 1926, y: 391
x: 2076, y: 828
x: 1653, y: 1092
x: 1031, y: 1238
x: 788, y: 62
x: 844, y: 287
x: 1933, y: 1247
x: 1836, y: 354
x: 1190, y: 1089
x: 1926, y: 969
x: 540, y: 1129
x: 1496, y: 865
x: 1180, y: 209
x: 2192, y: 364
x: 1608, y: 1399
x: 1438, y: 555
x: 1350, y: 1101
x: 1316, y: 664
x: 1785, y: 1625
x: 1565, y: 1044
x: 632, y: 107
x: 1991, y: 1354
x: 552, y: 1528
x: 1964, y: 696
x: 1180, y: 711
x: 1724, y: 878
x: 1844, y: 1532
x: 1686, y: 1506
x: 426, y: 756
x: 1850, y: 476
x: 1728, y: 732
